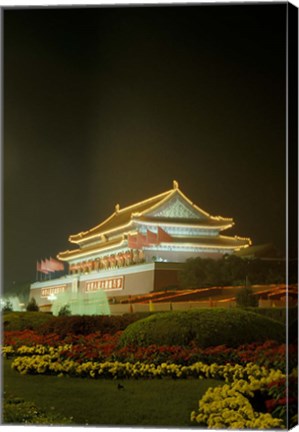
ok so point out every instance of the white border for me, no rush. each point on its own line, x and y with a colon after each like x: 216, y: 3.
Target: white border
x: 55, y: 3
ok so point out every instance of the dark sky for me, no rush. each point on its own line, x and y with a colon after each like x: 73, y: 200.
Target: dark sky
x: 109, y: 105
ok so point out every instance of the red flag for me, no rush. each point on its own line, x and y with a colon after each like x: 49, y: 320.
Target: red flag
x: 38, y: 266
x: 163, y: 236
x: 43, y: 267
x: 48, y: 265
x: 56, y: 265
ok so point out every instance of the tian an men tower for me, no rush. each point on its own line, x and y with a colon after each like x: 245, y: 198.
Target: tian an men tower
x: 137, y: 249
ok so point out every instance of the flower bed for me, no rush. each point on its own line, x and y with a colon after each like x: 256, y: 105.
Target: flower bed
x: 53, y: 364
x: 227, y: 406
x: 98, y: 347
x: 253, y: 396
x: 249, y: 404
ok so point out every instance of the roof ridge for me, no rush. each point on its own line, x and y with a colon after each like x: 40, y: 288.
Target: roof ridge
x: 182, y: 195
x: 157, y: 204
x: 74, y: 238
x: 146, y: 200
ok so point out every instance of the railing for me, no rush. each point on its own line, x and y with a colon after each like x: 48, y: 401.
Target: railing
x: 120, y: 309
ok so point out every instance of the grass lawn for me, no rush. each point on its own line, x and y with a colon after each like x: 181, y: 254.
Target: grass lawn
x: 164, y: 402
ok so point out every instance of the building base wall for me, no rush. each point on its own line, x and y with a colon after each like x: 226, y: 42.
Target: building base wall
x: 116, y: 283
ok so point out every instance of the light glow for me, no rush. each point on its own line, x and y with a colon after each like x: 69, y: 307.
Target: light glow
x: 94, y: 244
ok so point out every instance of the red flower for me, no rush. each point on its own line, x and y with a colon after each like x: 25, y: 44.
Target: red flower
x: 271, y: 404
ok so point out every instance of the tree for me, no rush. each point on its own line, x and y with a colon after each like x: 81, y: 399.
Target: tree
x: 233, y: 270
x: 7, y: 307
x: 246, y: 298
x: 64, y: 311
x: 32, y: 306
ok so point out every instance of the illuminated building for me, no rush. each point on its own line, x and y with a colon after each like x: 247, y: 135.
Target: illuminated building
x: 138, y: 248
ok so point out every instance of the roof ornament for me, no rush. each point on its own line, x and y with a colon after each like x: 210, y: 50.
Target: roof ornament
x: 175, y: 184
x: 117, y: 208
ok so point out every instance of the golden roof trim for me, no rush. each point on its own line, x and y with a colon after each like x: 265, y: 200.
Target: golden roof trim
x: 81, y: 252
x: 162, y: 199
x: 78, y: 238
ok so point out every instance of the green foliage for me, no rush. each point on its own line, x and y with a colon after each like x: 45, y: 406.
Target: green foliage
x: 7, y: 307
x: 64, y: 311
x: 25, y: 320
x: 19, y: 411
x: 204, y: 327
x: 45, y: 323
x: 32, y: 306
x: 277, y: 313
x: 229, y: 270
x: 282, y: 407
x: 86, y: 324
x: 246, y: 298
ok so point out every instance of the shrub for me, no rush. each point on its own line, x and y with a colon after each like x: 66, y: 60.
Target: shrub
x: 25, y: 320
x: 276, y: 313
x: 246, y: 298
x: 7, y: 306
x: 64, y: 310
x: 87, y: 324
x: 32, y: 306
x: 205, y: 327
x: 44, y: 323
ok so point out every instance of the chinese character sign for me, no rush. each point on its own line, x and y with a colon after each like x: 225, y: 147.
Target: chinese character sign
x: 105, y: 284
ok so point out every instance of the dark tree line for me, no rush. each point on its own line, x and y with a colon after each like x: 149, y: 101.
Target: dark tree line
x: 230, y: 270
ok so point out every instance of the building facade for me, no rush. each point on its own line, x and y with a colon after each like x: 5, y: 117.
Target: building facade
x: 140, y: 248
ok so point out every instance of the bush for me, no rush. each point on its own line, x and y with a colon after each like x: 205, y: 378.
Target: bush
x: 246, y: 298
x: 205, y: 327
x: 45, y: 323
x: 7, y: 306
x: 87, y: 324
x: 277, y: 313
x: 64, y: 311
x: 25, y: 320
x: 32, y: 306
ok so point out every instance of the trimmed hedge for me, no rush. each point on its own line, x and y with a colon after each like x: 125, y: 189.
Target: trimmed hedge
x: 44, y: 323
x: 278, y: 314
x: 86, y: 324
x: 25, y: 320
x: 204, y: 327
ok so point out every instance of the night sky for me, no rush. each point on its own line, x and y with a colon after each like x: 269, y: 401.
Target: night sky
x: 109, y: 105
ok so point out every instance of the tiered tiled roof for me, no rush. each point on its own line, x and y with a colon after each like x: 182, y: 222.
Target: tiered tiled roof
x: 113, y: 232
x: 124, y: 218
